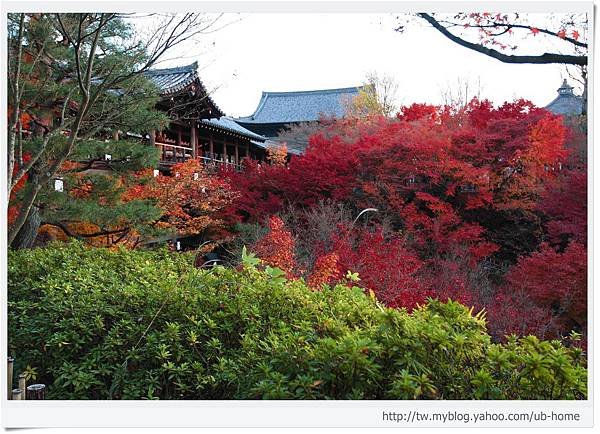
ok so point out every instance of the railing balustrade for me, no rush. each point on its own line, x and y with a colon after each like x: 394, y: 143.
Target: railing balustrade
x: 171, y: 154
x: 174, y: 153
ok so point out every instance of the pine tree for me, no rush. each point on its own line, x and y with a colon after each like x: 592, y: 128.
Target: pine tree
x: 74, y: 78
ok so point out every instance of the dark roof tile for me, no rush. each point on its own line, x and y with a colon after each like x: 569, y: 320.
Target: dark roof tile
x: 171, y: 80
x: 228, y: 124
x: 302, y: 106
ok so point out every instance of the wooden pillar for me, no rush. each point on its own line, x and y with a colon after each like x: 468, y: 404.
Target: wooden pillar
x: 193, y: 141
x: 211, y: 146
x: 247, y: 149
x: 201, y: 141
x: 10, y: 376
x: 153, y: 137
x: 22, y: 386
x: 179, y: 135
x: 237, y: 154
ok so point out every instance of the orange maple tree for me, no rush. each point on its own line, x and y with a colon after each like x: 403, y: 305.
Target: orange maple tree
x: 190, y: 197
x: 277, y: 247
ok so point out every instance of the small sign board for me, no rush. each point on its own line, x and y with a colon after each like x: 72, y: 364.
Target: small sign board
x: 59, y: 185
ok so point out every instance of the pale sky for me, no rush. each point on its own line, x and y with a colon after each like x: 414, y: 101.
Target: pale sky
x: 288, y: 52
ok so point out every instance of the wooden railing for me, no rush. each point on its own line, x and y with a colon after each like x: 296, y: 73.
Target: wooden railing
x: 218, y: 161
x: 172, y: 154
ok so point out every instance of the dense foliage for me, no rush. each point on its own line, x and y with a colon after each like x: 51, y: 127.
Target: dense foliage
x: 74, y: 80
x: 64, y: 100
x: 460, y: 197
x: 96, y: 324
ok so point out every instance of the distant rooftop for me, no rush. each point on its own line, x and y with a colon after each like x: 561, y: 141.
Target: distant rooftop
x: 301, y: 106
x: 566, y: 103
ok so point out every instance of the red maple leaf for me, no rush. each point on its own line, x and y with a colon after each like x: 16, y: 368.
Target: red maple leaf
x: 575, y: 34
x: 535, y: 30
x: 562, y: 33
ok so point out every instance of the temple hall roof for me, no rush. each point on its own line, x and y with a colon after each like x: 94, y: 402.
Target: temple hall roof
x: 566, y: 103
x: 228, y: 124
x: 172, y: 80
x: 301, y: 106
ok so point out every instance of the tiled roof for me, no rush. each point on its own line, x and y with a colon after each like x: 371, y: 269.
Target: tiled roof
x: 228, y: 124
x: 302, y: 106
x: 566, y: 103
x: 173, y: 80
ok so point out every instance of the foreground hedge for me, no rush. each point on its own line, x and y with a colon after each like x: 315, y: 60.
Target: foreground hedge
x: 97, y: 324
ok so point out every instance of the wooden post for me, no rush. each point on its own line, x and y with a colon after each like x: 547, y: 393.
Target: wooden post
x: 247, y: 149
x: 237, y: 154
x: 22, y: 385
x: 179, y: 135
x: 211, y: 146
x: 153, y: 137
x: 193, y: 141
x: 10, y: 366
x: 16, y: 394
x: 36, y: 392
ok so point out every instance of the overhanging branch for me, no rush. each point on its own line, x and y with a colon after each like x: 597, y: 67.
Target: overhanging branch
x: 545, y: 58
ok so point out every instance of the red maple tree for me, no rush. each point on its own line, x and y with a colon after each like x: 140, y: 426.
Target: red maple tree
x: 455, y: 188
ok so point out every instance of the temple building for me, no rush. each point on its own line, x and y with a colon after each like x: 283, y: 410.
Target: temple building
x: 198, y: 127
x: 276, y: 110
x: 566, y: 103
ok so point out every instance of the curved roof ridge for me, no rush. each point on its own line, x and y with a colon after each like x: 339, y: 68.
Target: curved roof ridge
x: 261, y: 104
x: 309, y: 92
x: 192, y: 67
x: 172, y: 80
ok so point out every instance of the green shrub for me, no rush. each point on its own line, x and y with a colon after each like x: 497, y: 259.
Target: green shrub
x: 100, y: 324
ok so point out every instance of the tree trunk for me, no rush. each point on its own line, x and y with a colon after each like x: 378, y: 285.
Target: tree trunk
x: 28, y: 232
x: 26, y: 206
x: 585, y: 93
